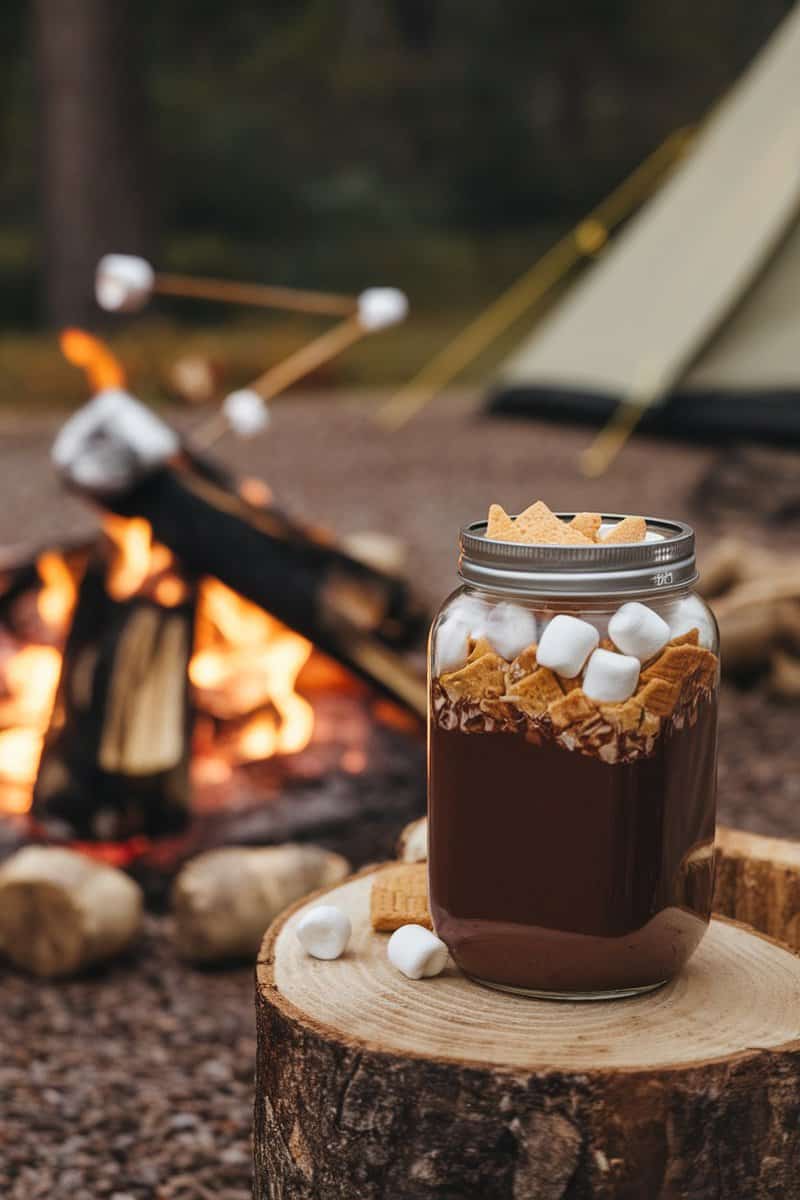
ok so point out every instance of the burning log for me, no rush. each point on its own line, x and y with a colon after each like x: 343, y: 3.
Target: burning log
x: 224, y: 900
x: 116, y: 758
x: 61, y: 911
x: 356, y: 614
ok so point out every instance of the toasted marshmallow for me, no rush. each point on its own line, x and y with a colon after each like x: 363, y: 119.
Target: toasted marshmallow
x: 638, y: 630
x: 112, y: 441
x: 452, y: 644
x: 610, y: 677
x: 566, y: 644
x: 380, y: 307
x: 246, y: 411
x: 123, y: 282
x: 510, y: 628
x: 417, y: 952
x: 324, y: 931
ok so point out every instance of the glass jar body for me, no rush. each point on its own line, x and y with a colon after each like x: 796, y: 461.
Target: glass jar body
x: 571, y: 834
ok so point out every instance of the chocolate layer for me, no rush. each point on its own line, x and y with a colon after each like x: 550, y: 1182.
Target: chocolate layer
x: 561, y: 871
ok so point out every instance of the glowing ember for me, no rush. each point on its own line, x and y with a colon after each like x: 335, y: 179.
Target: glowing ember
x: 255, y: 492
x: 258, y: 739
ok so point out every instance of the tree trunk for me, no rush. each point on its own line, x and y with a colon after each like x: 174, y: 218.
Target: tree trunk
x: 371, y: 1085
x: 93, y: 180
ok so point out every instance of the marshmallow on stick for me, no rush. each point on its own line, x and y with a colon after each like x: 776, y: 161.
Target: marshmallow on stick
x: 378, y: 308
x: 126, y: 283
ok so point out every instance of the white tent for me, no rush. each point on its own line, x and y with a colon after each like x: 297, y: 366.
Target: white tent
x: 695, y: 308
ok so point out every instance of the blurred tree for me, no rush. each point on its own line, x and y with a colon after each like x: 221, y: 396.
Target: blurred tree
x: 294, y: 138
x: 95, y: 190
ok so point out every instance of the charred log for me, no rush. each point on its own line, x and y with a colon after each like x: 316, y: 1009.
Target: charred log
x: 349, y: 610
x: 116, y: 759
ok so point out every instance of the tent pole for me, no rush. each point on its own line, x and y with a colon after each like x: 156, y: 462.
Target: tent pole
x: 583, y: 241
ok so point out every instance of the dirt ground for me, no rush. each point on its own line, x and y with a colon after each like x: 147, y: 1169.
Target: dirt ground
x: 137, y: 1081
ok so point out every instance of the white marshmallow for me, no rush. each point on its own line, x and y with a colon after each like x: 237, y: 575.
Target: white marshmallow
x: 638, y: 630
x: 247, y: 412
x: 452, y: 644
x: 380, y: 307
x: 123, y: 282
x: 611, y: 676
x: 324, y: 931
x: 691, y: 613
x: 417, y: 952
x: 110, y: 442
x: 510, y: 629
x: 566, y: 644
x: 470, y: 612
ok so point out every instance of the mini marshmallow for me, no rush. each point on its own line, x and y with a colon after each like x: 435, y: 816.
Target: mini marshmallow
x: 566, y: 644
x: 510, y: 628
x: 324, y: 931
x: 380, y: 307
x: 247, y: 412
x: 611, y: 677
x: 691, y: 613
x: 470, y: 612
x: 452, y: 644
x: 638, y: 630
x: 123, y: 282
x: 417, y: 952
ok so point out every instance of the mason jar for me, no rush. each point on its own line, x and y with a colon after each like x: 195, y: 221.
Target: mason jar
x: 572, y: 763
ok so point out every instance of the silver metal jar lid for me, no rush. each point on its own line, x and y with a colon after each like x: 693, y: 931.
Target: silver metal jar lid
x: 663, y: 564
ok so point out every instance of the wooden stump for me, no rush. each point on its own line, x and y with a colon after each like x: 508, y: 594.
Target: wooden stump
x: 372, y: 1086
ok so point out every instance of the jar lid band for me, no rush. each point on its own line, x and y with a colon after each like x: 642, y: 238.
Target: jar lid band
x: 663, y: 563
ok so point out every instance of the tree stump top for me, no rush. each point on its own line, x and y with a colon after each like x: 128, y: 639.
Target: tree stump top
x: 739, y: 995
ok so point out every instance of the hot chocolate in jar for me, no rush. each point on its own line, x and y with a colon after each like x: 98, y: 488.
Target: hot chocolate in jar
x: 572, y: 754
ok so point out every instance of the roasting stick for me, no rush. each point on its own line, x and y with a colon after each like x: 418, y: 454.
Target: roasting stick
x: 259, y: 295
x: 245, y: 412
x: 125, y: 283
x: 581, y: 243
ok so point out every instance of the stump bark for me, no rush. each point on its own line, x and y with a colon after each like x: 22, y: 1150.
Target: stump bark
x: 370, y: 1085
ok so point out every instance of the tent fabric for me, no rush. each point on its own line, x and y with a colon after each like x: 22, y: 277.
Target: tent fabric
x: 699, y: 295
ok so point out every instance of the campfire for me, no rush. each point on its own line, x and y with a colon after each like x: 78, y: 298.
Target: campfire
x: 168, y: 684
x: 243, y: 670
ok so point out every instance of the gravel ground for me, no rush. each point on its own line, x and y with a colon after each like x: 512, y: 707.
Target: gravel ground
x: 137, y: 1081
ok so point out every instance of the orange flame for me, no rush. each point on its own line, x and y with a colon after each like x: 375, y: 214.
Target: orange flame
x: 57, y: 596
x: 246, y: 667
x: 102, y: 369
x: 139, y: 561
x: 31, y: 679
x: 247, y: 661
